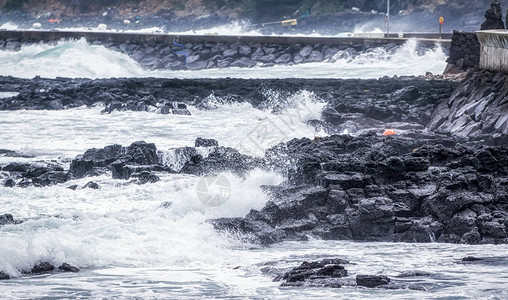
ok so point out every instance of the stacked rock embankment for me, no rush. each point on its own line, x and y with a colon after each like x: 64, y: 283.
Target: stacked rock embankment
x: 479, y: 106
x: 464, y: 52
x: 206, y: 52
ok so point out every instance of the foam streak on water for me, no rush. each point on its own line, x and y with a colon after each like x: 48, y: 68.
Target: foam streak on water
x: 79, y: 59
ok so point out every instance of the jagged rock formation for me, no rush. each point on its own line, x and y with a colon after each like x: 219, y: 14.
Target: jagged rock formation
x: 478, y: 106
x: 353, y: 104
x: 494, y: 17
x: 412, y: 188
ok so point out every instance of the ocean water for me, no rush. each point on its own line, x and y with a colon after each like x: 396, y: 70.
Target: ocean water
x: 153, y: 241
x: 80, y: 59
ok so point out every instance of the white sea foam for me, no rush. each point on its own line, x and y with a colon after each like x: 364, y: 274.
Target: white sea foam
x: 54, y: 134
x: 123, y: 226
x: 80, y: 59
x: 9, y: 26
x: 233, y: 28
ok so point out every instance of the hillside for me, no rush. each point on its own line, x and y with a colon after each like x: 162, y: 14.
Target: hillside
x: 258, y: 10
x: 420, y: 14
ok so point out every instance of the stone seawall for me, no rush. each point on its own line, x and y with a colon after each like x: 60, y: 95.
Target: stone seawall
x: 191, y: 52
x: 464, y: 50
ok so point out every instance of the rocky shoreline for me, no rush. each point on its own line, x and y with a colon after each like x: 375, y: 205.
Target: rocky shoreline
x: 374, y: 188
x: 398, y: 99
x: 415, y: 186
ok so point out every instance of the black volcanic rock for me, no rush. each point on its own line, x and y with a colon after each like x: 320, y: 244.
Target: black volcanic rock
x: 472, y: 258
x: 145, y: 177
x: 200, y: 142
x: 94, y: 158
x: 366, y: 103
x: 43, y: 267
x: 221, y: 159
x: 6, y: 219
x: 385, y: 189
x: 494, y: 17
x: 477, y: 107
x: 323, y: 273
x: 91, y: 185
x: 371, y: 281
x: 36, y: 174
x: 4, y: 276
x: 65, y: 267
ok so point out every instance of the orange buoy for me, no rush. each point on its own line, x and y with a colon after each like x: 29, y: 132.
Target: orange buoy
x: 389, y: 132
x: 55, y: 20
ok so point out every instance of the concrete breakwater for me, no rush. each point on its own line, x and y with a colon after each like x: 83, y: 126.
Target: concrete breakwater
x: 494, y: 50
x: 196, y: 52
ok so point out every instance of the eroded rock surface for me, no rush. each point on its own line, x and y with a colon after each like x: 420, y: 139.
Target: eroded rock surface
x: 386, y: 189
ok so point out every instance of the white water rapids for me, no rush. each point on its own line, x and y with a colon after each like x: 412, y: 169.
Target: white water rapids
x: 128, y: 245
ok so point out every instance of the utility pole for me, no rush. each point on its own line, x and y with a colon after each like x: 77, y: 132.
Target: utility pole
x: 388, y: 19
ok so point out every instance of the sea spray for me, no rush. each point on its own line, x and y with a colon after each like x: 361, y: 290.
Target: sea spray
x: 124, y: 225
x: 78, y: 59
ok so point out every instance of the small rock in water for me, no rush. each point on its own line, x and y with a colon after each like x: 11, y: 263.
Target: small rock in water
x: 9, y: 182
x: 166, y: 204
x: 4, y: 276
x: 323, y: 273
x: 371, y: 281
x: 146, y: 177
x: 73, y: 187
x: 6, y: 219
x: 65, y: 267
x: 413, y: 274
x: 472, y: 258
x: 91, y: 185
x: 200, y: 142
x: 40, y: 268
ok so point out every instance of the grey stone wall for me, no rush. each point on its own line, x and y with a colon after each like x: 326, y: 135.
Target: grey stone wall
x: 192, y: 52
x: 464, y: 50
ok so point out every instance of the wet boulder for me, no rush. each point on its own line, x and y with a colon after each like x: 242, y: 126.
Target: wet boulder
x: 94, y: 158
x: 40, y: 268
x: 4, y: 276
x: 201, y: 142
x: 221, y: 159
x: 12, y: 45
x: 7, y: 219
x: 316, y: 56
x: 306, y: 51
x: 323, y: 273
x: 143, y: 153
x: 372, y: 281
x: 283, y: 59
x: 65, y: 267
x: 91, y: 185
x: 145, y: 177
